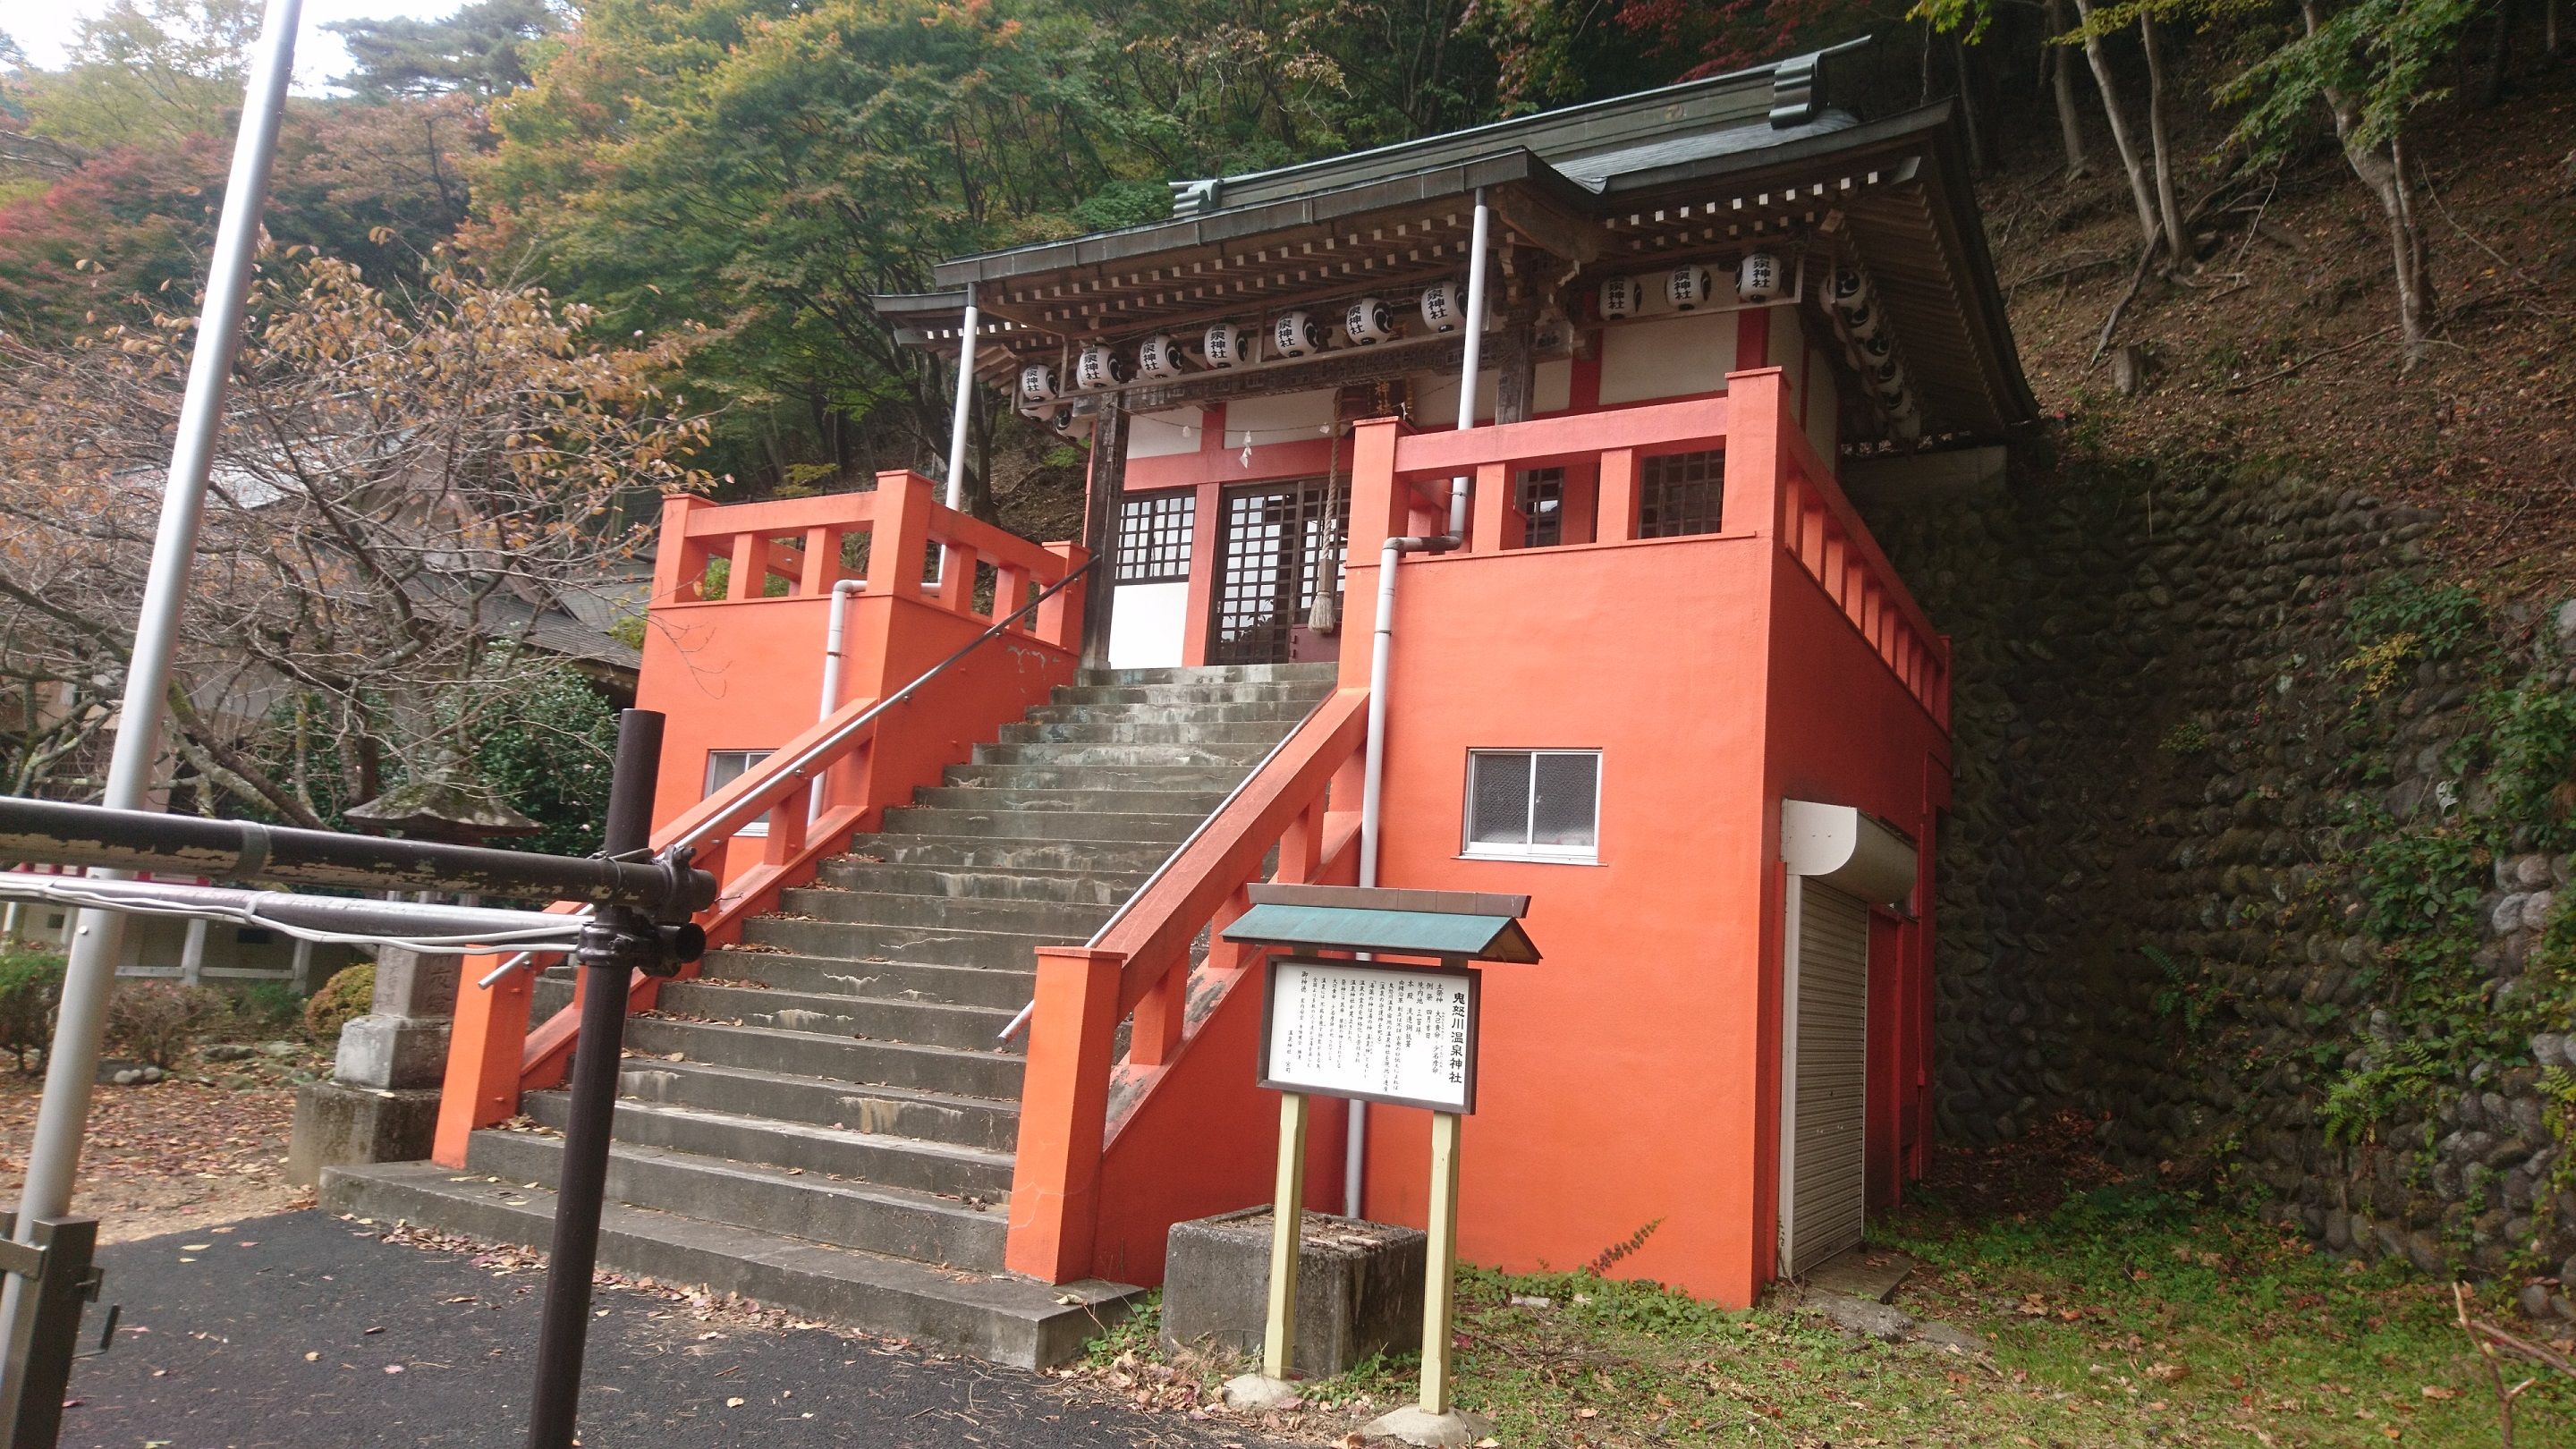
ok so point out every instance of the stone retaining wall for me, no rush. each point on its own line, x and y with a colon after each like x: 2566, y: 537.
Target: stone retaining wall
x: 2144, y: 911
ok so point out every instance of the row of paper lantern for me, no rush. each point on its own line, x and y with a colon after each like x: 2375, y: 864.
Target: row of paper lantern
x: 1860, y: 322
x: 1759, y: 277
x: 1162, y: 357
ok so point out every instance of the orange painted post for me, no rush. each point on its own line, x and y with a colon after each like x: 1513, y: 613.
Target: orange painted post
x: 1207, y: 516
x: 1060, y: 617
x: 1160, y: 1015
x: 1616, y: 520
x: 902, y: 545
x: 750, y: 567
x: 1582, y: 501
x: 787, y: 820
x: 1011, y: 594
x: 681, y: 561
x: 1755, y: 462
x: 822, y: 560
x: 1064, y: 1112
x: 1493, y: 531
x: 483, y: 1047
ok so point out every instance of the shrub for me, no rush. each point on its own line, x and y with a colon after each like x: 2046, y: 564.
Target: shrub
x: 31, y: 984
x: 349, y: 993
x: 155, y: 1022
x: 268, y: 1007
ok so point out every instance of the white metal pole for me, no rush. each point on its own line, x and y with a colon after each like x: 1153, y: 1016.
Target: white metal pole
x: 965, y: 409
x: 958, y: 418
x: 1382, y: 649
x: 98, y: 938
x: 832, y: 632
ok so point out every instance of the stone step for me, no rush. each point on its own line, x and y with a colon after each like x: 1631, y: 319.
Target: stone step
x: 1238, y: 756
x: 1212, y: 713
x: 1164, y: 732
x: 945, y: 1070
x: 963, y: 913
x: 875, y: 1018
x: 1077, y: 887
x: 1191, y: 779
x: 893, y: 1111
x: 919, y: 1021
x: 828, y: 975
x: 1117, y: 825
x: 967, y: 852
x: 985, y: 799
x: 1003, y: 1319
x: 896, y: 1221
x: 1217, y: 674
x: 1219, y: 693
x: 935, y: 945
x: 875, y: 1158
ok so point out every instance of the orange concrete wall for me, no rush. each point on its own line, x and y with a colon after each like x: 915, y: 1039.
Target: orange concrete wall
x: 1616, y: 1085
x: 1843, y: 731
x: 1633, y: 1078
x: 747, y: 675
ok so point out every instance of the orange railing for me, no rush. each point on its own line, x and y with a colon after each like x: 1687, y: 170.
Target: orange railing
x: 1113, y: 1152
x: 835, y: 777
x: 1775, y: 486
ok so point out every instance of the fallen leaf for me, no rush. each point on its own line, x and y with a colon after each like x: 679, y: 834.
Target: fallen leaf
x: 2436, y: 1391
x: 2168, y: 1373
x: 733, y: 1403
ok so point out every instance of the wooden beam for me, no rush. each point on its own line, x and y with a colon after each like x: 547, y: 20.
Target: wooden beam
x: 1333, y: 369
x: 1100, y: 527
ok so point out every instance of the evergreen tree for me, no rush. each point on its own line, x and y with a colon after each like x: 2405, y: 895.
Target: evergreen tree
x: 481, y: 50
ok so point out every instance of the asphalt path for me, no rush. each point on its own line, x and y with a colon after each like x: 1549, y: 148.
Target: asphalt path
x: 304, y: 1331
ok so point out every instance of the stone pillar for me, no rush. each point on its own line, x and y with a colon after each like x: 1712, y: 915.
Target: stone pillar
x: 381, y: 1104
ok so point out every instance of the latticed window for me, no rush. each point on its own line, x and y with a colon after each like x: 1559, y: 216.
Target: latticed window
x: 1681, y: 493
x: 1154, y: 538
x: 1281, y: 542
x: 1539, y: 494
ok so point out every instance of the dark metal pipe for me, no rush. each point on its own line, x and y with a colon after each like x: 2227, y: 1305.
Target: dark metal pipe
x: 66, y: 834
x: 617, y: 941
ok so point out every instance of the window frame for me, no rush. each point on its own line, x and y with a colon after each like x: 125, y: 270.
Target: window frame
x: 1527, y: 850
x: 750, y: 761
x: 1156, y: 534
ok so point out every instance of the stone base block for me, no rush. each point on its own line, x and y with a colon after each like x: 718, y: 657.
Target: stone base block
x: 392, y: 1053
x: 1359, y: 1289
x: 337, y: 1125
x: 1410, y: 1425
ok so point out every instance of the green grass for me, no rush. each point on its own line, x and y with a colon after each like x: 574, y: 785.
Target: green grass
x: 2121, y: 1318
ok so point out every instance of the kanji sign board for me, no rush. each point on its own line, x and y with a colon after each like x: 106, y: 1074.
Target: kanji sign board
x: 1404, y: 1035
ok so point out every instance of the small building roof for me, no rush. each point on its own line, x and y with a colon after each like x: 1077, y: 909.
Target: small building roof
x: 1450, y: 925
x: 1762, y: 157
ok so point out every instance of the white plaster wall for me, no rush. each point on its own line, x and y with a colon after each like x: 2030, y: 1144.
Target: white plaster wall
x: 1147, y: 624
x: 1667, y: 357
x: 1435, y: 398
x: 1553, y: 391
x: 1279, y: 418
x: 1166, y: 434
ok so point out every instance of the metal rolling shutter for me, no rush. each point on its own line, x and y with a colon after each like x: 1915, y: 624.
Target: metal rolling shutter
x: 1828, y: 1079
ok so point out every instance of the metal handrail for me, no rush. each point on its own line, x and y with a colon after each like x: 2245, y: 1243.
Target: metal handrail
x: 751, y: 804
x: 1120, y: 914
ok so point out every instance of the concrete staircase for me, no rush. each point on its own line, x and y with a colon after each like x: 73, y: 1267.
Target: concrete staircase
x: 823, y: 1121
